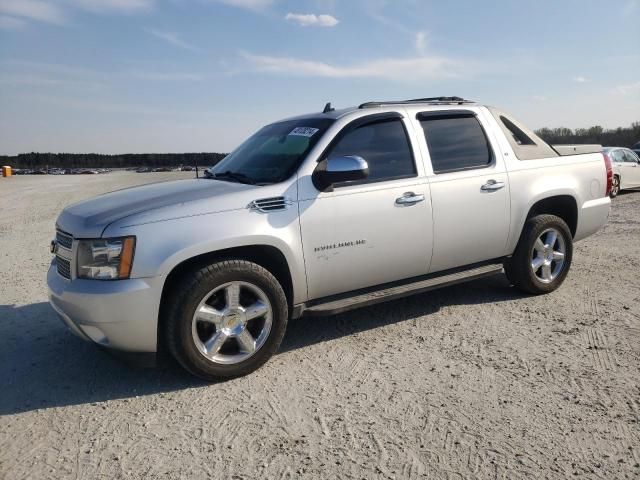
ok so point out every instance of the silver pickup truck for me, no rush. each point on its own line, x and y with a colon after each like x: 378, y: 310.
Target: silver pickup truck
x: 319, y: 214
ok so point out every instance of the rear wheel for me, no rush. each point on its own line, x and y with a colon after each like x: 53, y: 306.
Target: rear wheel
x: 543, y: 255
x: 615, y: 186
x: 226, y: 319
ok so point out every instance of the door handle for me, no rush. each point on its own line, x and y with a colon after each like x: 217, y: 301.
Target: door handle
x: 409, y: 198
x: 492, y: 186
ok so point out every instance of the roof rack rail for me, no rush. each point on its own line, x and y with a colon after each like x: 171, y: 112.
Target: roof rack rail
x: 432, y: 100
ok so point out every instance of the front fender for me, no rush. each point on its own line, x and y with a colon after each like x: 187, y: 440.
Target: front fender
x: 161, y: 246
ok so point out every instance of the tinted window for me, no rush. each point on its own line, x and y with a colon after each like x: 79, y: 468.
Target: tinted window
x: 456, y: 143
x: 385, y: 147
x: 518, y: 135
x: 274, y: 153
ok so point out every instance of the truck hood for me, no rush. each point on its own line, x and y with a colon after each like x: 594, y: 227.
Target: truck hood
x: 89, y: 218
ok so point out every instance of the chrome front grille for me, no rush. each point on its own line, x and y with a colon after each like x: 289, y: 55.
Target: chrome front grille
x: 64, y: 267
x: 64, y: 239
x: 64, y: 253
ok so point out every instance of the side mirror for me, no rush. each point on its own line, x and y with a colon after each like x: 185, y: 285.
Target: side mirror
x: 339, y: 169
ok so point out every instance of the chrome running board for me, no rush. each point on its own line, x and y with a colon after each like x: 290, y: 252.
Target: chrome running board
x: 363, y: 298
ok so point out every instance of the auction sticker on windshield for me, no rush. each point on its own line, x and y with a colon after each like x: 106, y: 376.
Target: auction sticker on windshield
x: 303, y: 131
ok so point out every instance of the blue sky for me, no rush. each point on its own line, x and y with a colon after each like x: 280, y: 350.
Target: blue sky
x: 116, y: 76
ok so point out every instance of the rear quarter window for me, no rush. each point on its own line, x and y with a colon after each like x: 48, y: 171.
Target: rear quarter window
x: 517, y: 134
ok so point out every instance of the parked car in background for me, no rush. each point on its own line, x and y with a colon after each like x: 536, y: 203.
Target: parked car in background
x: 626, y: 168
x: 636, y: 149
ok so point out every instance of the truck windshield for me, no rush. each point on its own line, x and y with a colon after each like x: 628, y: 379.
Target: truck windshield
x: 273, y: 154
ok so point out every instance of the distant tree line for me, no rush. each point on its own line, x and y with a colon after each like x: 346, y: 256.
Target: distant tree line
x: 618, y: 137
x: 96, y: 160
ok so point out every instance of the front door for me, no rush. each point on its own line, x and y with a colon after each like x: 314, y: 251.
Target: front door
x: 370, y: 232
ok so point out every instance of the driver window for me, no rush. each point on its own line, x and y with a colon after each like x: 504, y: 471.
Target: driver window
x: 385, y: 147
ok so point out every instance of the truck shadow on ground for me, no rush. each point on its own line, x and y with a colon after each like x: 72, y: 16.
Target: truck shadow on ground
x: 43, y: 365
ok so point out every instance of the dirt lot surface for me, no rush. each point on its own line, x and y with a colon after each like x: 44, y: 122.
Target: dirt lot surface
x: 473, y: 381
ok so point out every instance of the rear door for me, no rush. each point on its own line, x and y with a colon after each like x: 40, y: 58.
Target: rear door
x: 469, y: 189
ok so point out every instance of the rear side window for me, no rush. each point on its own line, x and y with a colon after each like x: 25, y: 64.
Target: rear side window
x: 456, y: 143
x: 517, y: 134
x: 385, y: 147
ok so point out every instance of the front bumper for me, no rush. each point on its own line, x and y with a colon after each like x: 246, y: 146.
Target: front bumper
x: 119, y: 314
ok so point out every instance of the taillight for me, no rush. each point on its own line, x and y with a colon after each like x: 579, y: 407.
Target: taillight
x: 607, y: 163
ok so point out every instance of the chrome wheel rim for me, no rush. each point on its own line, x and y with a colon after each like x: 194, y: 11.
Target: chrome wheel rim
x: 548, y: 255
x: 616, y: 186
x: 232, y: 322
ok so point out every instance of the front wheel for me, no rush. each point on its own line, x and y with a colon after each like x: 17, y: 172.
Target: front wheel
x: 226, y: 319
x: 543, y: 255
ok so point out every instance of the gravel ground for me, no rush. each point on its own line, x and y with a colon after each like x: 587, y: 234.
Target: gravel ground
x: 472, y: 381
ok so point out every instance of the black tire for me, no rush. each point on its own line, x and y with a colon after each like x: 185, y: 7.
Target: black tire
x: 615, y: 187
x: 192, y: 289
x: 518, y: 268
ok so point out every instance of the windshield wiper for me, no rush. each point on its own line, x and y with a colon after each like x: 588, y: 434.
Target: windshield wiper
x: 235, y: 176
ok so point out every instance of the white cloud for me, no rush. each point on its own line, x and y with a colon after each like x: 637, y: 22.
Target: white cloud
x: 312, y: 20
x: 247, y: 4
x: 421, y: 43
x: 375, y: 10
x: 121, y: 6
x: 33, y: 10
x: 51, y: 75
x: 631, y: 7
x: 43, y: 80
x: 13, y: 13
x: 581, y: 79
x: 171, y: 38
x: 404, y: 69
x: 168, y: 77
x: 633, y: 88
x: 11, y: 23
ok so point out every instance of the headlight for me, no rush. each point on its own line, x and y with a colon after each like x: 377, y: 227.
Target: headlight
x: 105, y: 258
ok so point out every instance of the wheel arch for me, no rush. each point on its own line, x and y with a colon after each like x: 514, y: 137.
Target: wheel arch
x: 267, y: 256
x: 563, y: 206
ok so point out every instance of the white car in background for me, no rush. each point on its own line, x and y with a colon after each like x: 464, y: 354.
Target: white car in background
x: 626, y: 168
